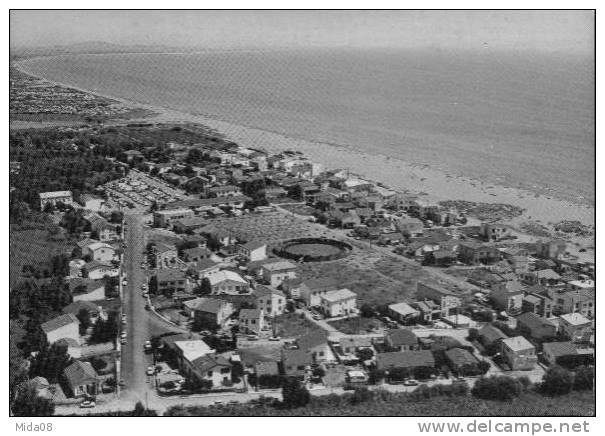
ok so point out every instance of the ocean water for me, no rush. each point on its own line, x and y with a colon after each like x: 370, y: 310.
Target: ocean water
x: 521, y: 120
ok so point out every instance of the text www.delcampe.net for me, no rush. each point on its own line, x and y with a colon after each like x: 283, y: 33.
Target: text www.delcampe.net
x: 489, y: 426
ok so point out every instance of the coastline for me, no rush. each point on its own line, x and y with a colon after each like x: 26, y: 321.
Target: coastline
x: 398, y: 174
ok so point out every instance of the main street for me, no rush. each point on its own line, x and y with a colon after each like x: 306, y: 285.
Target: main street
x: 134, y: 361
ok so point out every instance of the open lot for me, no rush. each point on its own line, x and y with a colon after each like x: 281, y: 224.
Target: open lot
x: 292, y: 325
x: 271, y: 227
x: 34, y: 247
x: 357, y: 325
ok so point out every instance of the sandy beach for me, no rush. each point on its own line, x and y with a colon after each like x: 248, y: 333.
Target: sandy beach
x: 437, y: 185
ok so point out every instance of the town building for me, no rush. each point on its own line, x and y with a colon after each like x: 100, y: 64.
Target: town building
x: 401, y: 340
x: 341, y: 302
x: 86, y: 289
x: 165, y: 218
x: 494, y: 231
x: 170, y: 281
x: 537, y: 327
x: 228, y: 282
x: 99, y: 251
x: 97, y: 270
x: 275, y: 273
x: 210, y: 368
x: 92, y: 202
x: 81, y: 379
x: 461, y: 361
x: 403, y: 313
x: 209, y: 312
x: 251, y: 321
x: 63, y: 326
x: 577, y: 327
x: 410, y: 360
x: 164, y: 255
x: 473, y: 253
x: 55, y: 197
x: 253, y: 251
x: 447, y: 300
x: 272, y: 301
x: 519, y: 353
x: 508, y: 296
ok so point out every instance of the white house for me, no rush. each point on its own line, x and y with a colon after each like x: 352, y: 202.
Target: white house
x: 251, y: 320
x: 55, y: 197
x: 576, y: 326
x: 99, y: 251
x: 228, y: 282
x: 272, y: 301
x: 83, y: 289
x: 253, y: 251
x: 92, y: 202
x: 97, y: 270
x: 63, y: 326
x: 339, y: 302
x: 275, y: 273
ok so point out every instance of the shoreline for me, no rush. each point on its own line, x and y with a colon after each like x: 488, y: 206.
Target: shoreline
x: 400, y: 175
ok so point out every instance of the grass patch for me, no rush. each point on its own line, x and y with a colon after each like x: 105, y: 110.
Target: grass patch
x: 34, y: 247
x: 292, y: 325
x: 528, y: 404
x: 357, y: 325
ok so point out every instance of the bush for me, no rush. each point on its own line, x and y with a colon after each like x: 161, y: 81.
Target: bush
x: 361, y: 395
x: 483, y: 366
x: 557, y: 381
x: 366, y: 310
x: 584, y: 378
x: 294, y: 394
x: 501, y: 388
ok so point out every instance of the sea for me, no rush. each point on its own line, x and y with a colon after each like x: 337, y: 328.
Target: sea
x: 523, y: 120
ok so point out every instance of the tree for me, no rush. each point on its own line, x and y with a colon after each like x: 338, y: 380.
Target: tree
x: 28, y: 403
x: 213, y: 243
x: 84, y: 318
x: 365, y: 354
x: 501, y: 388
x: 50, y: 362
x: 366, y: 310
x: 205, y: 287
x: 483, y: 366
x: 140, y: 410
x: 584, y: 379
x: 557, y: 381
x: 361, y: 395
x: 105, y: 331
x: 294, y: 394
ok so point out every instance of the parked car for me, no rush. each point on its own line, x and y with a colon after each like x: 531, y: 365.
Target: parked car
x: 410, y: 382
x: 147, y: 346
x: 252, y: 337
x: 150, y: 371
x: 275, y: 338
x: 145, y: 294
x: 123, y: 341
x: 87, y: 404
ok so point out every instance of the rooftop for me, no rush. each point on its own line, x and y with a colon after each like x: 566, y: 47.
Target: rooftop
x: 58, y: 322
x: 339, y: 295
x: 193, y: 349
x: 518, y: 343
x: 279, y: 266
x: 54, y: 194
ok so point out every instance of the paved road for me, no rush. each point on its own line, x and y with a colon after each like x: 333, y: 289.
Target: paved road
x: 134, y: 361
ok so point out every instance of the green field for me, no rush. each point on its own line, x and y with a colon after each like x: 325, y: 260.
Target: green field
x: 528, y: 404
x: 33, y: 247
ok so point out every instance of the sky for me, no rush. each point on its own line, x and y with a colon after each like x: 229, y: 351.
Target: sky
x: 505, y: 30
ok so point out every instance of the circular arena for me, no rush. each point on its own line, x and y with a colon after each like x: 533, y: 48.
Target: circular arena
x: 313, y: 249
